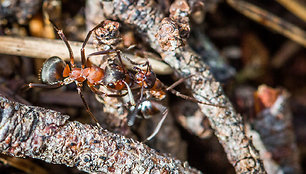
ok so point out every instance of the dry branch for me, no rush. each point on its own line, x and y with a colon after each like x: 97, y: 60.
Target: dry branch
x: 145, y: 16
x: 28, y: 131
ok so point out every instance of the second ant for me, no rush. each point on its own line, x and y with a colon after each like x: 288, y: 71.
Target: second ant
x: 114, y: 76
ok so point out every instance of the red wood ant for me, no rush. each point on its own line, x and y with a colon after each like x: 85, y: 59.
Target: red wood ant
x: 56, y: 73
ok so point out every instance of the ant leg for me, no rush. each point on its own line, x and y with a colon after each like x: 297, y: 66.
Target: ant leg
x: 178, y: 82
x: 83, y: 57
x: 96, y: 91
x: 40, y: 85
x: 118, y: 54
x: 120, y: 60
x: 107, y: 52
x: 87, y: 107
x: 160, y: 123
x: 102, y: 52
x: 63, y: 37
x: 90, y: 32
x: 149, y: 68
x: 131, y: 117
x: 85, y: 42
x: 186, y: 97
x: 134, y: 63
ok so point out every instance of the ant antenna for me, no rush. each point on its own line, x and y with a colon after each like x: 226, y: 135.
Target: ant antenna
x: 186, y: 97
x: 63, y: 37
x: 157, y: 128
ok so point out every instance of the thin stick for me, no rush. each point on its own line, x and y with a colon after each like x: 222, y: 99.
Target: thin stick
x: 296, y: 7
x: 40, y: 48
x: 271, y: 21
x: 45, y: 48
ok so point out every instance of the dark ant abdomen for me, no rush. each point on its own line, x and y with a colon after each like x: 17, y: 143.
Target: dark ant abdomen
x: 114, y: 77
x: 52, y: 70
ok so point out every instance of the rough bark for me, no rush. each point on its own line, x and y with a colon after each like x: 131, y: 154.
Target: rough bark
x: 28, y: 131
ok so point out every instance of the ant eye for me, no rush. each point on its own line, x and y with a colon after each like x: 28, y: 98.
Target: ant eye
x: 52, y: 70
x: 111, y: 85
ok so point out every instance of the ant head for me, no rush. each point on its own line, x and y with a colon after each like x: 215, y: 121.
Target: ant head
x: 149, y: 79
x: 52, y: 70
x: 145, y: 78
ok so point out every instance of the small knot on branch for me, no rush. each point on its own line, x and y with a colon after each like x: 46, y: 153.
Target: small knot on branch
x: 108, y: 33
x: 179, y: 12
x: 168, y: 35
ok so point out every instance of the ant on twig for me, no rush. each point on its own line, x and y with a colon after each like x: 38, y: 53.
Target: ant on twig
x: 56, y: 73
x: 115, y: 77
x: 144, y: 80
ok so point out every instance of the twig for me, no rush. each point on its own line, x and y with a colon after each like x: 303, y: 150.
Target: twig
x: 27, y: 131
x: 45, y: 48
x: 40, y: 48
x: 285, y: 28
x: 210, y: 55
x: 296, y: 7
x: 227, y: 123
x: 284, y: 53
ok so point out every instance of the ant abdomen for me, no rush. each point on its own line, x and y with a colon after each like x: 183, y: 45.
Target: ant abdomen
x: 52, y: 70
x: 114, y: 75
